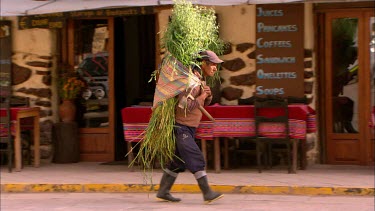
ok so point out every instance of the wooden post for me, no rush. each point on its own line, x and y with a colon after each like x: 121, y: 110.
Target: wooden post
x: 217, y: 154
x: 204, y: 150
x: 226, y: 153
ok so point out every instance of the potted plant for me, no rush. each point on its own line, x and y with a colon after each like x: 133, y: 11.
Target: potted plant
x: 69, y: 89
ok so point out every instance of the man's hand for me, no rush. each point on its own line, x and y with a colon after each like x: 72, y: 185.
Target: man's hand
x: 207, y: 90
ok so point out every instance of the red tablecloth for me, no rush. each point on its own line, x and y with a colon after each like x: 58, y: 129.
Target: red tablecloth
x: 238, y: 121
x: 13, y: 112
x: 247, y: 111
x: 230, y: 121
x: 13, y: 115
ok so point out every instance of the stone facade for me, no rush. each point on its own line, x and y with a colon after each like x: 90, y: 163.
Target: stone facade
x: 32, y: 79
x: 33, y: 66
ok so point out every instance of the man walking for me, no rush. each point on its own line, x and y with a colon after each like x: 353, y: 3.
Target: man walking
x: 187, y: 118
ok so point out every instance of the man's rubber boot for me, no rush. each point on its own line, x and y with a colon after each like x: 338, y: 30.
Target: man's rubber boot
x: 208, y: 194
x: 165, y: 186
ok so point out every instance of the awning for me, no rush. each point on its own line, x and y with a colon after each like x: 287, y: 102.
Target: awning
x: 34, y: 7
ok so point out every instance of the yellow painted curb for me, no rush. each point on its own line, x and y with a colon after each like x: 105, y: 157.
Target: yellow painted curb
x: 38, y: 188
x: 14, y: 188
x: 55, y: 188
x: 116, y: 188
x: 185, y: 188
x: 354, y: 191
x: 312, y: 191
x: 265, y: 189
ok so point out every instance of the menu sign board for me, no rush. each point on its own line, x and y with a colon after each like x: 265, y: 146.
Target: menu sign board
x: 280, y: 50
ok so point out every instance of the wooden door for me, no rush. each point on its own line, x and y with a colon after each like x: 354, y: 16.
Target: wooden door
x: 90, y: 52
x: 349, y: 86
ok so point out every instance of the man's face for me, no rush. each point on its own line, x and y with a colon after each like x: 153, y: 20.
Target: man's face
x: 209, y: 68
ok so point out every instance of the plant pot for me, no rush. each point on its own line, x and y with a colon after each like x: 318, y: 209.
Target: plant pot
x: 67, y: 111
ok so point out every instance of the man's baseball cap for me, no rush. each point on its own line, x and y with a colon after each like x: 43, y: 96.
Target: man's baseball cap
x: 211, y: 56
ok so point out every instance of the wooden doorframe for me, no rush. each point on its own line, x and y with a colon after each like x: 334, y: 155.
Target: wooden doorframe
x: 319, y: 20
x: 323, y: 64
x: 106, y: 152
x: 369, y: 155
x: 111, y: 84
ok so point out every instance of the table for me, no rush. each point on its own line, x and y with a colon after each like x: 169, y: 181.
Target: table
x: 19, y: 117
x: 135, y: 120
x: 230, y: 121
x: 238, y: 121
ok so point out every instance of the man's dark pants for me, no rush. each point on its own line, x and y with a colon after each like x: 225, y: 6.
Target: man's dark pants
x: 189, y: 156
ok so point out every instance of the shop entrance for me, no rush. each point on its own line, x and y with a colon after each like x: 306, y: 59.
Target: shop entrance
x: 135, y: 55
x: 115, y: 56
x: 347, y: 44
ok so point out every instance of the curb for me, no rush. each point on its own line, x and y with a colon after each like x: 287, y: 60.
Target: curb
x: 185, y: 188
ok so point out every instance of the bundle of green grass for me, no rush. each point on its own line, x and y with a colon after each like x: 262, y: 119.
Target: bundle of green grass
x: 191, y: 29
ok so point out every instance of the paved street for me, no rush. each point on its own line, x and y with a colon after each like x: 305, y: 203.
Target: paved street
x: 144, y: 201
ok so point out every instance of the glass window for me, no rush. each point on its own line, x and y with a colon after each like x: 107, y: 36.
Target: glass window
x: 345, y: 75
x: 91, y: 62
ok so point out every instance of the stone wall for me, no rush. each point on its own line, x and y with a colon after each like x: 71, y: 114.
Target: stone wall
x: 33, y: 67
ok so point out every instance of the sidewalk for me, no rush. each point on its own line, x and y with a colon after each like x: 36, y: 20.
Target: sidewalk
x: 96, y: 177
